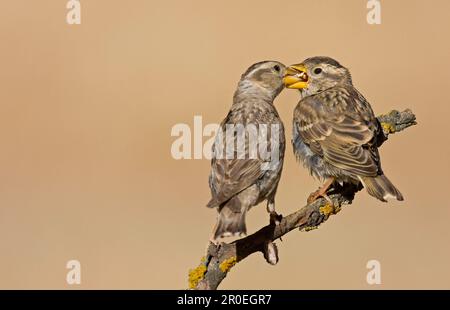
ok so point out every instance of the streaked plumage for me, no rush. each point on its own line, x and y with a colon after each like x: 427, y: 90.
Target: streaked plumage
x: 335, y: 130
x: 239, y: 184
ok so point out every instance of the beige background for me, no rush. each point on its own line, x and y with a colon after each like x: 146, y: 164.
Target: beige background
x: 85, y: 119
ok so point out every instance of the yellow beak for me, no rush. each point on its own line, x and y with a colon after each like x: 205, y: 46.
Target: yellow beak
x: 296, y: 77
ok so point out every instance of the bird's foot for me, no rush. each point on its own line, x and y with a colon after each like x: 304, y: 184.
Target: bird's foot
x: 321, y: 192
x: 313, y: 197
x: 275, y: 218
x: 318, y: 194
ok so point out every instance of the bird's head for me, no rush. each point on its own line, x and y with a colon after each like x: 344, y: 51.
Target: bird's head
x: 266, y: 76
x: 316, y: 74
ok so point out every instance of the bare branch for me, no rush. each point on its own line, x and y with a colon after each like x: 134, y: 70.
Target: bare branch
x: 220, y: 258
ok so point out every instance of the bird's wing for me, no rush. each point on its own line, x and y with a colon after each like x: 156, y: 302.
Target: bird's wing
x: 339, y: 125
x: 231, y: 176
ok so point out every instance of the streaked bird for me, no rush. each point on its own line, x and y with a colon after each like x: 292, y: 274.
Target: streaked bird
x: 335, y: 130
x: 243, y: 180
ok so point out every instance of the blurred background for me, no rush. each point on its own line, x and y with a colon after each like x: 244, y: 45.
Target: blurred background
x: 86, y: 113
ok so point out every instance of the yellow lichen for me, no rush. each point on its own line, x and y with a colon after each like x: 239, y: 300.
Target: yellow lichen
x: 196, y: 275
x: 309, y: 228
x: 327, y: 209
x: 227, y: 264
x: 388, y: 128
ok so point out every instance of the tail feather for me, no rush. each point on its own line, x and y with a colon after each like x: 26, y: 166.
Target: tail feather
x: 380, y: 187
x: 230, y: 223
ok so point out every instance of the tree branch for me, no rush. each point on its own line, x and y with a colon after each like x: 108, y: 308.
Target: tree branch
x: 220, y: 258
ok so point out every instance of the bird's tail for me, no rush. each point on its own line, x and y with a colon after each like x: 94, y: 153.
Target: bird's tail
x: 230, y: 223
x: 380, y: 187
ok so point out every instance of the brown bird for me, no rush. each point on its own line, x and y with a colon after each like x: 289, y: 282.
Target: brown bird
x: 245, y: 177
x: 335, y: 130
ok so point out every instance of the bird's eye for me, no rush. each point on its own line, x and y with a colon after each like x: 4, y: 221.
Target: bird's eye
x: 277, y: 68
x: 317, y: 71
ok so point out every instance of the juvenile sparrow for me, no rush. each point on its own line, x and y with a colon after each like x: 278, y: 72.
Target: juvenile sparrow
x: 335, y: 130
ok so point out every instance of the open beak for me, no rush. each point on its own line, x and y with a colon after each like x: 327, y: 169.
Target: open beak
x: 296, y: 77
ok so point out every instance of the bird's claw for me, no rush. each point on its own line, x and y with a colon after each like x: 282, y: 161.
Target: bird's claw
x: 316, y: 195
x: 275, y: 218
